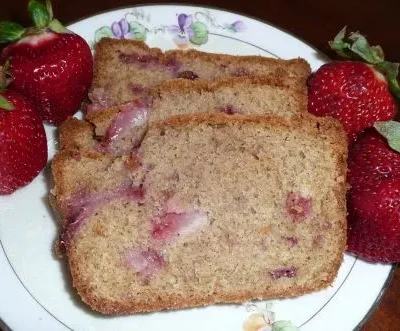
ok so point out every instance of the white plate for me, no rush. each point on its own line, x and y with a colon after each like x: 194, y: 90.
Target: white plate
x: 35, y: 291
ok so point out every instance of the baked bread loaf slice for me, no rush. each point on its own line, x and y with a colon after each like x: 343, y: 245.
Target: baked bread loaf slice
x: 211, y: 209
x: 89, y: 138
x: 127, y: 69
x: 244, y: 95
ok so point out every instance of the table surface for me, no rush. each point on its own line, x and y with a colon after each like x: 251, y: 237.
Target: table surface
x: 315, y: 22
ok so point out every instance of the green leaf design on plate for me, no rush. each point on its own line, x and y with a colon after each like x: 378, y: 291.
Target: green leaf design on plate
x: 284, y: 326
x: 101, y: 33
x: 138, y: 31
x: 200, y: 31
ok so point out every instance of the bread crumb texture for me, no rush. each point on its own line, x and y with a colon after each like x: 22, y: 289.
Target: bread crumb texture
x: 211, y: 208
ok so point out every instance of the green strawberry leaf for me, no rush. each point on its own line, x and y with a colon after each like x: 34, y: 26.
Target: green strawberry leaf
x: 49, y: 8
x: 357, y: 47
x: 6, y: 67
x: 391, y: 131
x: 391, y: 71
x: 138, y: 30
x: 39, y: 13
x: 379, y: 51
x: 284, y: 326
x: 101, y: 33
x: 10, y: 32
x: 5, y: 104
x: 200, y: 31
x: 362, y: 48
x: 339, y: 45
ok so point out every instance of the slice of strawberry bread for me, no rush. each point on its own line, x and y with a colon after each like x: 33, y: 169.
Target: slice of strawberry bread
x: 114, y: 132
x: 127, y: 69
x: 212, y: 209
x: 118, y: 128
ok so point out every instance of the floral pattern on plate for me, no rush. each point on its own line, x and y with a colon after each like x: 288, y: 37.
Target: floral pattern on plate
x: 185, y: 30
x: 263, y: 319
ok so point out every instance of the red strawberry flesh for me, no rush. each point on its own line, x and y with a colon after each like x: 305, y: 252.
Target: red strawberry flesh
x: 283, y: 272
x: 23, y: 144
x: 351, y: 92
x: 372, y: 160
x: 132, y: 115
x: 298, y: 207
x: 374, y: 199
x: 374, y: 222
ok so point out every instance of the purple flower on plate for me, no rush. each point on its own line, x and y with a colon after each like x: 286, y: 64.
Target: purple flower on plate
x: 121, y: 29
x: 183, y: 31
x: 238, y: 26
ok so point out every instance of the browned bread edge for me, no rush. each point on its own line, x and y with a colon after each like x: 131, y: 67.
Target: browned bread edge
x: 105, y: 45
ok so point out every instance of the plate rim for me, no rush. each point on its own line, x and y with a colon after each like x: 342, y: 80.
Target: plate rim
x: 379, y: 298
x: 393, y: 268
x: 190, y: 4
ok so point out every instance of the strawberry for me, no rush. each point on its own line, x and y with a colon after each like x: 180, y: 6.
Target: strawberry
x: 371, y: 160
x: 374, y: 197
x: 47, y: 64
x: 356, y: 93
x: 23, y: 144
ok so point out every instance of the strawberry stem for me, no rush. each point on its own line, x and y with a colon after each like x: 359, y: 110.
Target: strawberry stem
x: 355, y: 46
x: 42, y: 16
x: 56, y: 26
x: 10, y: 32
x: 39, y: 13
